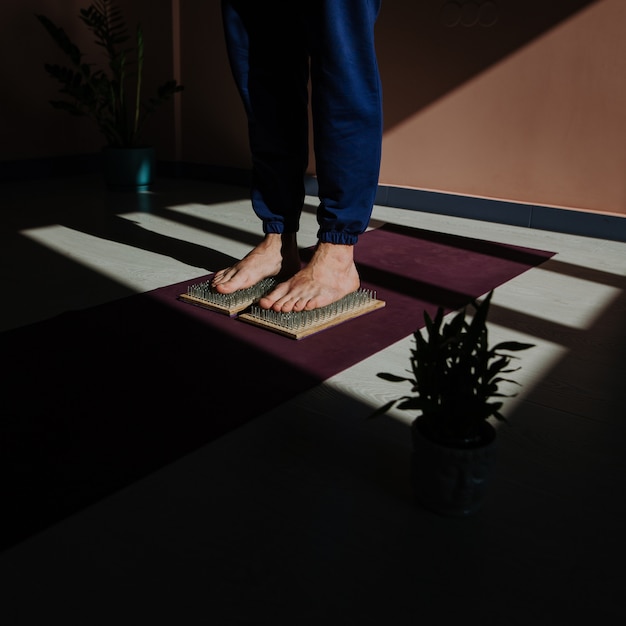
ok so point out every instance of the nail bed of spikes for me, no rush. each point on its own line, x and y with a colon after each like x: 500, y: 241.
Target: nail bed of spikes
x: 204, y: 291
x: 295, y: 320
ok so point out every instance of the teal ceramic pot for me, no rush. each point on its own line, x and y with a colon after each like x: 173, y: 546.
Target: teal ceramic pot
x: 129, y: 169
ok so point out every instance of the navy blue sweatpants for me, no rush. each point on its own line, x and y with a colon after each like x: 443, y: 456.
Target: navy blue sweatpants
x: 273, y: 48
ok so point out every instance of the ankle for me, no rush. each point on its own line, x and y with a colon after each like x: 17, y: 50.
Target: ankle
x: 338, y: 253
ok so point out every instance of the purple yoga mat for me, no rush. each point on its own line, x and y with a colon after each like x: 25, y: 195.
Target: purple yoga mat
x: 411, y: 270
x: 98, y: 398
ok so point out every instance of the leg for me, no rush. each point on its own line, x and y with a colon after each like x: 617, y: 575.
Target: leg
x: 347, y: 116
x: 347, y: 129
x: 270, y: 67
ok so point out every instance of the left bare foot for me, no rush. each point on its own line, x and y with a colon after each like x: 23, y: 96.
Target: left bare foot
x: 276, y: 256
x: 330, y: 275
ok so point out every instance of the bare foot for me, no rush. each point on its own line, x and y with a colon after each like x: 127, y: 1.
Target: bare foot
x: 330, y: 275
x: 277, y: 255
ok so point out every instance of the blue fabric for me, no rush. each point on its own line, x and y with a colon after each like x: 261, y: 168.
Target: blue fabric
x: 274, y: 46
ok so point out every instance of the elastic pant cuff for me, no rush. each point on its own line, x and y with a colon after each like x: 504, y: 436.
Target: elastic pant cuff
x: 345, y: 239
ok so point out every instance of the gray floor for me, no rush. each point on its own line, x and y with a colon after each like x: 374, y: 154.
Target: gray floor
x: 305, y: 515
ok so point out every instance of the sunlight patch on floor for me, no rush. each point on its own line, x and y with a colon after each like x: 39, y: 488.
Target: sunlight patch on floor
x: 126, y: 264
x: 574, y: 302
x: 189, y: 234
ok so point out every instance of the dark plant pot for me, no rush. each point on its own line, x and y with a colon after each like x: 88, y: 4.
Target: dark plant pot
x: 128, y: 169
x: 451, y: 478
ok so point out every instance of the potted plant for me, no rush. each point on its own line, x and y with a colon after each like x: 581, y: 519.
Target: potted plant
x: 112, y: 95
x: 455, y: 379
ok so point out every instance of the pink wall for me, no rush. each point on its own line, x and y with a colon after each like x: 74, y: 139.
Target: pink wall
x: 518, y: 100
x: 543, y: 122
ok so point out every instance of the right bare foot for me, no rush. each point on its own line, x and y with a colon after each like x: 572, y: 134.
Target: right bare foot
x: 276, y: 256
x: 330, y: 275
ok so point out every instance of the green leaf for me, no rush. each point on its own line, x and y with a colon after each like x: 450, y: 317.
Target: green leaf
x: 61, y: 39
x: 383, y: 409
x: 513, y: 346
x: 393, y: 377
